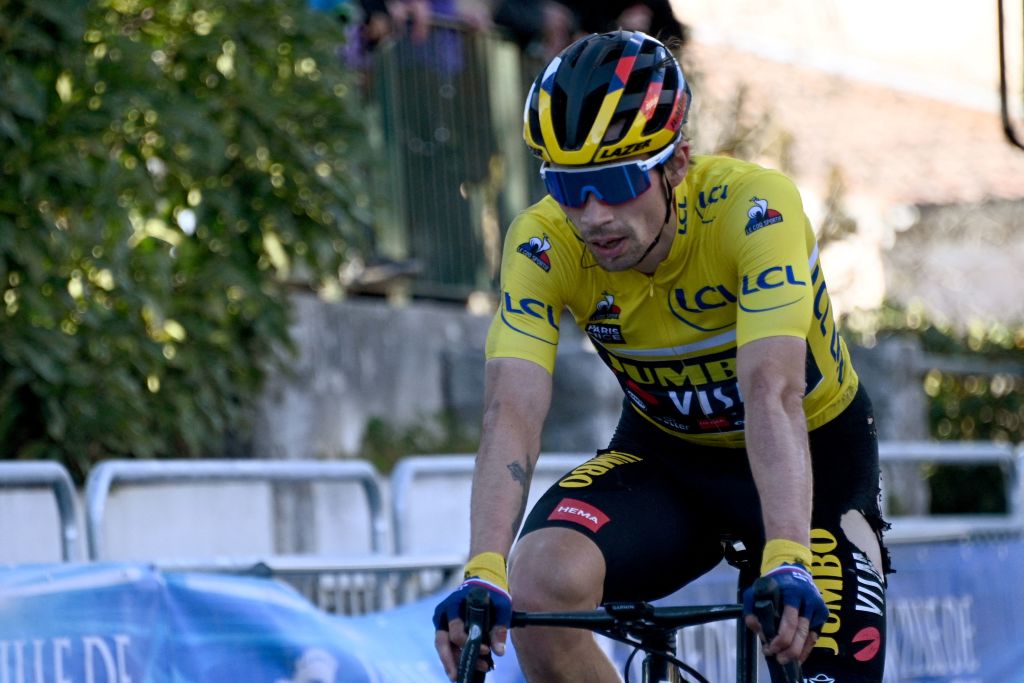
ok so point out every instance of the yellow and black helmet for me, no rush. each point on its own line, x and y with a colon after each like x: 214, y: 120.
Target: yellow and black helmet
x: 606, y: 97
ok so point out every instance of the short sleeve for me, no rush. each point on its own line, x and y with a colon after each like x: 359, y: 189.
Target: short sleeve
x: 769, y: 239
x: 536, y: 265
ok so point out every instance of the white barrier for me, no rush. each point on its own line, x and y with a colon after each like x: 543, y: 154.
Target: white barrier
x: 230, y: 514
x: 20, y: 475
x: 913, y: 528
x: 427, y: 518
x: 430, y: 498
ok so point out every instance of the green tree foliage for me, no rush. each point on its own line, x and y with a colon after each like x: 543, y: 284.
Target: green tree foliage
x: 166, y: 170
x: 975, y: 406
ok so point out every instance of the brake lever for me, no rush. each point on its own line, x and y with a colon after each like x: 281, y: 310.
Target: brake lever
x: 768, y: 610
x: 478, y: 604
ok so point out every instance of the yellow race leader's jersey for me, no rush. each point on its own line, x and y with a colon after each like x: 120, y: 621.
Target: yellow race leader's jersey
x: 743, y: 266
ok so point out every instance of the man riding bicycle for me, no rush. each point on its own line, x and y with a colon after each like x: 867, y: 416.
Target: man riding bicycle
x: 699, y: 283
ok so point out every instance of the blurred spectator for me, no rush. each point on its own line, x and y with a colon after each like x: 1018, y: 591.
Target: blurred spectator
x: 397, y: 18
x: 540, y: 27
x: 653, y: 17
x: 544, y: 27
x: 368, y: 23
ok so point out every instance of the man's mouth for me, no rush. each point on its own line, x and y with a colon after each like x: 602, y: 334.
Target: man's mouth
x: 606, y: 243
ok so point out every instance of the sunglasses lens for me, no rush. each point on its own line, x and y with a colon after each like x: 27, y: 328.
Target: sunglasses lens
x: 611, y: 185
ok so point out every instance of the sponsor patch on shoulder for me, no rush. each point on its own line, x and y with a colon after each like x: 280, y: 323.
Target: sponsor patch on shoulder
x: 761, y: 216
x: 536, y: 249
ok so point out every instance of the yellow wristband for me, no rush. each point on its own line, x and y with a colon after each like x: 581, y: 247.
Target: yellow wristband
x: 489, y: 567
x: 779, y: 551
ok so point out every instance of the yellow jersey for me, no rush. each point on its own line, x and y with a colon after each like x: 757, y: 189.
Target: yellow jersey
x: 743, y: 265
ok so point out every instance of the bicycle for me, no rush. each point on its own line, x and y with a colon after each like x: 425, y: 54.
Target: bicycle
x: 645, y: 627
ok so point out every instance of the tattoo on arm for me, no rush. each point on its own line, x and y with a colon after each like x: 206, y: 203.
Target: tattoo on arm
x: 522, y: 475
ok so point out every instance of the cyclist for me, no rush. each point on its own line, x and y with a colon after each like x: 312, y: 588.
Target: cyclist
x: 699, y: 283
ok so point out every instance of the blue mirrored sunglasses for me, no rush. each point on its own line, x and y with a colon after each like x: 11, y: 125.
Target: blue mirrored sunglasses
x: 611, y: 183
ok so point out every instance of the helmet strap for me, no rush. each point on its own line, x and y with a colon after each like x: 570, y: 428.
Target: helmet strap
x: 664, y: 222
x: 668, y: 196
x: 654, y: 243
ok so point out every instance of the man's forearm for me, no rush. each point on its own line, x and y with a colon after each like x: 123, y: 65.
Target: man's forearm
x: 780, y: 461
x: 771, y: 375
x: 501, y: 485
x: 516, y: 403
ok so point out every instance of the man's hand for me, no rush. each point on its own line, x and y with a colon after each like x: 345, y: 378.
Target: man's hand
x: 804, y: 613
x: 486, y: 571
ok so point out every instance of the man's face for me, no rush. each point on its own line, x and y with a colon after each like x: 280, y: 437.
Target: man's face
x: 619, y: 235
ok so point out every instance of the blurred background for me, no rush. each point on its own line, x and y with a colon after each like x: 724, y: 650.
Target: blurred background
x: 209, y: 209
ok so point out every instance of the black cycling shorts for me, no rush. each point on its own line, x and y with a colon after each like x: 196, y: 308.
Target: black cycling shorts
x: 658, y: 508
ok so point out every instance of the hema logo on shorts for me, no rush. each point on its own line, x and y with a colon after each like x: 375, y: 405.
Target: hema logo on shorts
x: 572, y: 510
x: 595, y: 467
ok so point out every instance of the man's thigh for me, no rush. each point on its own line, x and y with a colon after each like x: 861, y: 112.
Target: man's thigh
x: 648, y: 530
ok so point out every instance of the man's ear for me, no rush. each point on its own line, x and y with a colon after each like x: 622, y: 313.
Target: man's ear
x: 677, y: 166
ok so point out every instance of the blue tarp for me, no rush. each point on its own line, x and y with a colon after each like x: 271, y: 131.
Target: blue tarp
x: 954, y: 615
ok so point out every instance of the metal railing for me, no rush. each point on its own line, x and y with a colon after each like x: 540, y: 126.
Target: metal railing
x: 358, y: 584
x: 107, y: 474
x: 415, y: 469
x: 52, y: 475
x: 341, y: 585
x: 905, y: 529
x: 914, y: 528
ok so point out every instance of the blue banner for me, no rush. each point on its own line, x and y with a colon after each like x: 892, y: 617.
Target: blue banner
x: 954, y: 617
x: 124, y: 623
x: 955, y: 613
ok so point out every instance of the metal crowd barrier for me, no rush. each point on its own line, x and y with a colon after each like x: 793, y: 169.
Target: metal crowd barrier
x: 360, y: 584
x: 105, y: 475
x: 919, y: 528
x: 52, y: 475
x: 414, y: 469
x: 348, y: 585
x: 342, y: 585
x: 905, y: 528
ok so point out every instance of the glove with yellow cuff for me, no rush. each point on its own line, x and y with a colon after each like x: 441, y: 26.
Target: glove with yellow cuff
x: 486, y: 570
x: 787, y: 562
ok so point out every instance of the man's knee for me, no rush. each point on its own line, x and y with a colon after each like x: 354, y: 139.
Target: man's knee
x: 863, y: 537
x: 556, y: 569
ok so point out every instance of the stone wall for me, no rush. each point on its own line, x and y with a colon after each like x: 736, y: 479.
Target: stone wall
x: 363, y: 359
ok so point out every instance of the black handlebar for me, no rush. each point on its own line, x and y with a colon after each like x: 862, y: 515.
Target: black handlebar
x: 635, y: 618
x: 477, y: 620
x: 768, y: 610
x: 628, y: 616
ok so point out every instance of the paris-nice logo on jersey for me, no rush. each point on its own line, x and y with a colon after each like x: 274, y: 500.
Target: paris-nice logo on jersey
x: 599, y: 328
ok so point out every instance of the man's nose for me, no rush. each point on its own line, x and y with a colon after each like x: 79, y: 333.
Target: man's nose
x: 594, y: 213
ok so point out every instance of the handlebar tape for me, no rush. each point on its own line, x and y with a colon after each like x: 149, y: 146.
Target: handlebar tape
x: 768, y: 610
x: 478, y: 604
